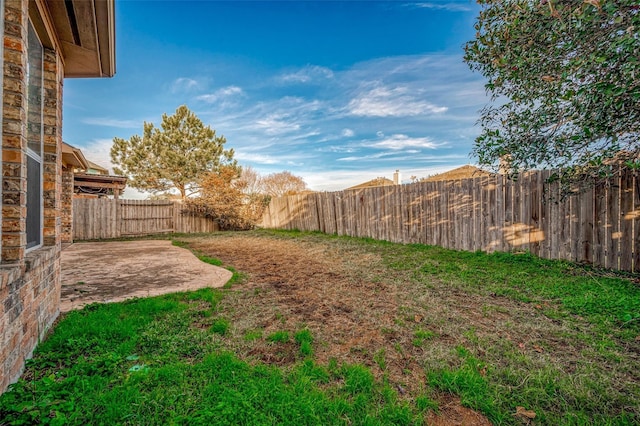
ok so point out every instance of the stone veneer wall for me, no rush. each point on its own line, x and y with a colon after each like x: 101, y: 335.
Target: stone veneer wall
x: 30, y: 282
x: 66, y: 206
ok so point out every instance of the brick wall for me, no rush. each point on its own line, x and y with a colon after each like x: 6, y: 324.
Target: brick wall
x: 66, y: 205
x: 30, y: 281
x: 30, y: 303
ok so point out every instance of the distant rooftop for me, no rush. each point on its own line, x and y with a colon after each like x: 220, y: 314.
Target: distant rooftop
x: 465, y: 172
x: 379, y: 181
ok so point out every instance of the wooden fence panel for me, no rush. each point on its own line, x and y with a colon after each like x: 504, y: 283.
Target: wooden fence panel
x: 599, y: 226
x: 565, y: 229
x: 532, y: 196
x: 635, y: 239
x: 94, y: 219
x: 543, y: 216
x: 626, y: 220
x: 102, y: 218
x: 140, y: 217
x: 602, y: 229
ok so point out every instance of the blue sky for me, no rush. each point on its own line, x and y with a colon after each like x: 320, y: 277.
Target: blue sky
x: 336, y: 92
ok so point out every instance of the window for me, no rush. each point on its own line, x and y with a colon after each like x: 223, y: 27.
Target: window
x: 34, y: 138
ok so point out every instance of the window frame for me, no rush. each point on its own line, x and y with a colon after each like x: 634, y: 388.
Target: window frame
x: 30, y: 153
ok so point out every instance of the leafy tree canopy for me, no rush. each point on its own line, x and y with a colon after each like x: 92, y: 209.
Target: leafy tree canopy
x: 282, y: 183
x: 565, y: 81
x: 224, y: 197
x: 176, y: 155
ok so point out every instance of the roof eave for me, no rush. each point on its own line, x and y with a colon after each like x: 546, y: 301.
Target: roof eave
x: 85, y: 34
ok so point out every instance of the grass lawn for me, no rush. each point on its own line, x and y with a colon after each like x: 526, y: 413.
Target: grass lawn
x: 319, y: 329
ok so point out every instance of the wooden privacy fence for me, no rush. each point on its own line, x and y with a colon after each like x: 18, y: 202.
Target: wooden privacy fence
x: 600, y: 226
x: 101, y: 218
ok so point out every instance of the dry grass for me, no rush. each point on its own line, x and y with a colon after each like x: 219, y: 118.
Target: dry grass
x: 404, y: 323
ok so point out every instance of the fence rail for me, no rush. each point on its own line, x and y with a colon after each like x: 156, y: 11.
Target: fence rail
x: 492, y: 213
x: 102, y: 218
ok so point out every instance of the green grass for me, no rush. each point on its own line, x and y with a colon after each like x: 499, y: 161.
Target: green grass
x: 607, y: 301
x: 305, y: 339
x: 220, y: 326
x: 278, y: 337
x: 236, y: 277
x: 181, y: 358
x: 142, y: 362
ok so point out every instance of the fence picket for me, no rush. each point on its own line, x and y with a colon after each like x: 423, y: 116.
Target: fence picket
x: 626, y: 220
x: 101, y: 218
x: 600, y: 226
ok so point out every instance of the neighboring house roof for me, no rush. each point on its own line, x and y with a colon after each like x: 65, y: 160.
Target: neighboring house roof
x: 464, y: 172
x: 379, y: 181
x: 89, y: 177
x: 84, y: 183
x: 72, y: 156
x: 96, y: 169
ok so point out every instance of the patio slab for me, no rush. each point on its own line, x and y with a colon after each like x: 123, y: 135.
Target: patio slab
x: 115, y: 271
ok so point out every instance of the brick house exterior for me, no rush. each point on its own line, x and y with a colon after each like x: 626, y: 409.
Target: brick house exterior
x: 44, y: 42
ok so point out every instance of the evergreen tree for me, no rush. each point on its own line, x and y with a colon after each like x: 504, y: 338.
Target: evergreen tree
x: 176, y: 155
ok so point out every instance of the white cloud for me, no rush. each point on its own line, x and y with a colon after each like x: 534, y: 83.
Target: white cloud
x: 405, y: 157
x: 221, y: 94
x: 338, y: 148
x: 256, y: 158
x: 308, y: 74
x: 272, y: 158
x: 276, y: 124
x: 112, y: 122
x: 396, y: 142
x: 314, y: 128
x: 398, y: 101
x: 183, y: 84
x: 375, y: 156
x: 98, y: 151
x: 347, y: 133
x: 451, y: 7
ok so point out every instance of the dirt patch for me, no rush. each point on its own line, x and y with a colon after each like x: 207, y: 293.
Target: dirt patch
x: 115, y: 271
x: 354, y: 314
x: 452, y: 413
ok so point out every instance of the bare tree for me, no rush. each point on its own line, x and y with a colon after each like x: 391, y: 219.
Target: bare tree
x: 252, y: 181
x: 283, y: 183
x: 223, y: 197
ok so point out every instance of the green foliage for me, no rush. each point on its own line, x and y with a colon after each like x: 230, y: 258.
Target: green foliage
x: 175, y: 155
x: 236, y: 277
x: 468, y: 382
x: 566, y: 78
x: 420, y: 337
x: 379, y: 358
x: 220, y: 326
x: 97, y: 370
x: 282, y: 184
x: 425, y: 403
x: 155, y: 361
x: 223, y: 198
x: 210, y: 260
x: 357, y: 379
x: 278, y: 337
x: 305, y: 340
x: 605, y: 301
x: 251, y: 335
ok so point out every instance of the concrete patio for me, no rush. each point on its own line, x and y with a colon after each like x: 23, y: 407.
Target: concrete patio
x: 114, y: 271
